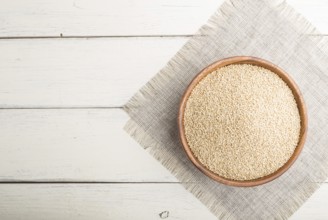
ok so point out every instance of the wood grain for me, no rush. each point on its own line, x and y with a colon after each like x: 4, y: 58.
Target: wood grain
x: 73, y: 73
x: 79, y: 72
x: 59, y: 145
x: 99, y: 202
x: 122, y: 18
x: 119, y: 201
x: 85, y: 71
x: 103, y: 18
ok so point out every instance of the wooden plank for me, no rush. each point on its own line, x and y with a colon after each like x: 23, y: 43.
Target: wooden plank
x: 124, y: 17
x: 103, y: 18
x: 73, y: 145
x: 102, y: 72
x: 99, y: 201
x: 119, y: 201
x: 79, y: 72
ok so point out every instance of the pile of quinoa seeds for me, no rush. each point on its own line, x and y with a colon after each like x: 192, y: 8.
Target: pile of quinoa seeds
x: 242, y: 122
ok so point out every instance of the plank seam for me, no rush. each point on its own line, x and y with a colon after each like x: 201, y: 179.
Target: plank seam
x: 111, y: 36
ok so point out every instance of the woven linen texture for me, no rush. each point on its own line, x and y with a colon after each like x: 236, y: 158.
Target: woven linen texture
x: 266, y: 29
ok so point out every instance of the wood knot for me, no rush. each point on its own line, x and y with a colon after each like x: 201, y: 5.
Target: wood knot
x: 164, y: 214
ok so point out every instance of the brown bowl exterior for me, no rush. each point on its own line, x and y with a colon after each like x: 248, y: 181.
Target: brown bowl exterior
x: 298, y: 98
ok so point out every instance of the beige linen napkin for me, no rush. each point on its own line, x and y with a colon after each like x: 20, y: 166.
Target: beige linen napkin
x: 265, y: 29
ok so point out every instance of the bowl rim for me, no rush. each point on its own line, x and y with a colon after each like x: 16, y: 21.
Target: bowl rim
x: 297, y: 96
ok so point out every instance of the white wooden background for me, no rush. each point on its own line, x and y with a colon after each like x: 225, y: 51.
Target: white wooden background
x: 66, y: 68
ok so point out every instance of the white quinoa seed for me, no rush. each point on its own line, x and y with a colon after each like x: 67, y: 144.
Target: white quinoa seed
x: 242, y: 122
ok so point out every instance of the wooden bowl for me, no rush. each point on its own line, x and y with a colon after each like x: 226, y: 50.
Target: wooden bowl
x: 300, y: 104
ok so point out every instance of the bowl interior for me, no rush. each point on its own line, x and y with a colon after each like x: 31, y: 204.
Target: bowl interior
x: 298, y: 98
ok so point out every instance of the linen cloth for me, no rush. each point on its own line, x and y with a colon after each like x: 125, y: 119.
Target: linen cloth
x: 270, y: 30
